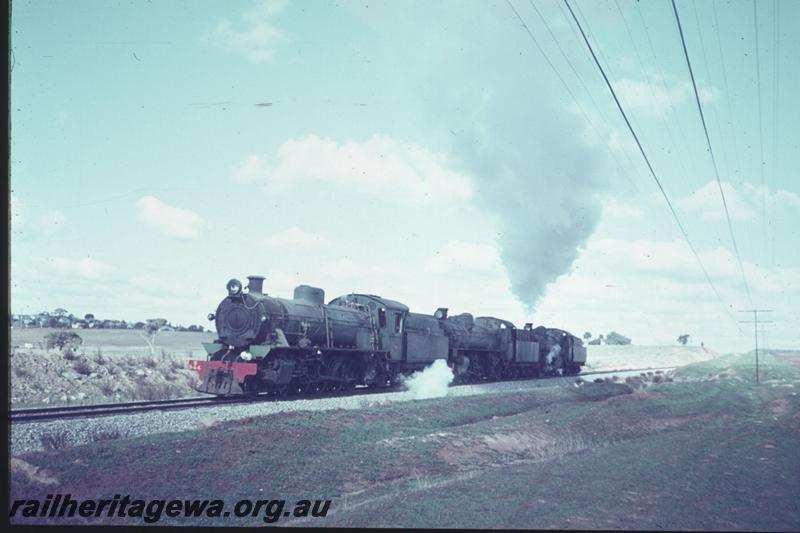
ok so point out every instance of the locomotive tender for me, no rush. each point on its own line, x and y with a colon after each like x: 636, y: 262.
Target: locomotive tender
x: 287, y: 346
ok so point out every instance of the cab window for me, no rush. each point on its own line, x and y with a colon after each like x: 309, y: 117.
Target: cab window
x: 398, y: 322
x: 382, y: 318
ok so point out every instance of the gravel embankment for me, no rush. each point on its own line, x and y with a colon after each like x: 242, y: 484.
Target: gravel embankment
x: 34, y: 436
x: 41, y: 377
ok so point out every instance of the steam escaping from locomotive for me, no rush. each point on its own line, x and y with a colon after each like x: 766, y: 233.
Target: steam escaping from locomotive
x: 553, y: 353
x: 432, y: 382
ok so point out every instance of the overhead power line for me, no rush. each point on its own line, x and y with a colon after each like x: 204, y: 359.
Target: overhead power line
x: 700, y: 39
x: 711, y: 151
x: 588, y: 92
x: 760, y: 121
x: 650, y: 85
x: 580, y: 81
x: 727, y: 91
x: 776, y: 53
x: 569, y: 91
x: 661, y: 81
x: 647, y: 160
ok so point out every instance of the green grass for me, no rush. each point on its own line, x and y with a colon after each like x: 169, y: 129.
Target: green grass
x: 683, y: 455
x: 743, y: 366
x: 122, y: 341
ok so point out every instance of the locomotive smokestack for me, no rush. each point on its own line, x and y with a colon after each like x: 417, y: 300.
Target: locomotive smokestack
x: 255, y: 284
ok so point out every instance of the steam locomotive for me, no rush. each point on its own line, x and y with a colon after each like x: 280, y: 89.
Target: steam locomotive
x: 301, y: 345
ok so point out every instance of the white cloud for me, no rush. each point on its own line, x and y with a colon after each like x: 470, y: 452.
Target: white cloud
x: 172, y: 221
x: 777, y: 199
x: 616, y: 209
x: 650, y: 259
x: 87, y: 267
x: 461, y: 255
x: 255, y: 36
x: 707, y: 201
x: 655, y: 99
x: 380, y: 165
x: 295, y: 238
x: 743, y: 203
x: 654, y: 290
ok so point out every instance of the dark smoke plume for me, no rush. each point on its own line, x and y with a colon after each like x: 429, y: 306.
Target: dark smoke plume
x: 489, y: 91
x: 533, y: 166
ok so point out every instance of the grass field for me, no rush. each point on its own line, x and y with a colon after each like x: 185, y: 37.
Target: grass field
x: 123, y: 341
x: 710, y: 451
x: 610, y: 357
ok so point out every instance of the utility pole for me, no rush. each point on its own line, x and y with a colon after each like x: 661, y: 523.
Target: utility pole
x: 755, y: 323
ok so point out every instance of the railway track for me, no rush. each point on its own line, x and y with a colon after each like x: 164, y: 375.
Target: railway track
x: 40, y: 414
x: 81, y: 411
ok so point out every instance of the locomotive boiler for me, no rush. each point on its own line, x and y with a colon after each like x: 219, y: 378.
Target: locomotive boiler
x: 287, y: 346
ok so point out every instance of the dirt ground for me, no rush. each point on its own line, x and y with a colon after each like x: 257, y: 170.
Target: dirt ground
x: 710, y: 451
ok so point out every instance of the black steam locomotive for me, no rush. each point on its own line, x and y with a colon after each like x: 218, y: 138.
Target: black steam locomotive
x: 283, y: 346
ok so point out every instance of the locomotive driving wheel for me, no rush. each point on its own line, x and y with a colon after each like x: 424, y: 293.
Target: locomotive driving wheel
x: 558, y: 366
x: 250, y: 387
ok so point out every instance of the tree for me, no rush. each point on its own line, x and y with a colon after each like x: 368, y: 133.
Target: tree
x: 683, y: 339
x: 63, y: 339
x: 617, y: 338
x: 60, y: 312
x: 88, y: 317
x: 587, y: 335
x: 150, y: 330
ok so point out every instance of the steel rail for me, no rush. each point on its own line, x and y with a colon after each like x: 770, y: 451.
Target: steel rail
x: 39, y: 414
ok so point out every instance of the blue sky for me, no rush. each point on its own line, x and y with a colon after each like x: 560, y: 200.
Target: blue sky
x: 425, y: 151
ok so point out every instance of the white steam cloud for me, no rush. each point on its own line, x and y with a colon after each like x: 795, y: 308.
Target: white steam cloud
x: 432, y: 382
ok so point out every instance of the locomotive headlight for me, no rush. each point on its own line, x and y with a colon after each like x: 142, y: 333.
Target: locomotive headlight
x: 246, y: 356
x: 234, y: 287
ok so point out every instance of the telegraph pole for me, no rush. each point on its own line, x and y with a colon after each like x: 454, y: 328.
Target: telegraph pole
x: 755, y: 323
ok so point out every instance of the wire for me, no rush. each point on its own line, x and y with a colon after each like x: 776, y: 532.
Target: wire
x: 776, y: 52
x: 760, y: 121
x: 727, y: 90
x: 580, y: 80
x: 710, y: 82
x: 647, y: 160
x: 650, y: 84
x: 661, y: 82
x: 711, y: 151
x: 589, y: 58
x: 566, y: 86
